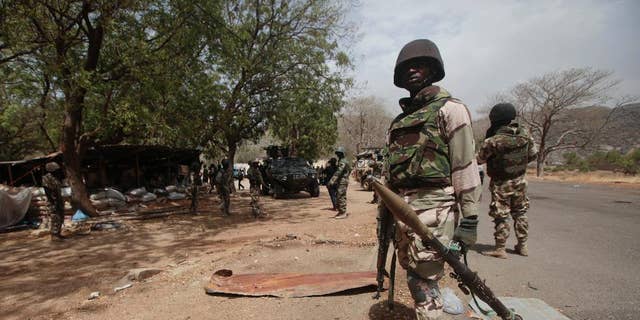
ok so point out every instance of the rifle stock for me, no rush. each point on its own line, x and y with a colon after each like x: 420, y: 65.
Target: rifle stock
x: 403, y: 212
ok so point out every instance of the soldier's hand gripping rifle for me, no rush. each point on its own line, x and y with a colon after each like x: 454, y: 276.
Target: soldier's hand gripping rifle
x: 403, y: 212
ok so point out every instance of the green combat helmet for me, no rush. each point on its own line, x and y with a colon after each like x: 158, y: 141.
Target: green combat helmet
x: 421, y: 49
x: 52, y: 166
x: 502, y: 113
x: 340, y: 150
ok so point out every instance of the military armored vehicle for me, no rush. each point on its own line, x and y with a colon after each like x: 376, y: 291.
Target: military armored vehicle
x: 289, y: 175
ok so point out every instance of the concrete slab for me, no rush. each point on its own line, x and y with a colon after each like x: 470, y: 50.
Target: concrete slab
x: 528, y: 308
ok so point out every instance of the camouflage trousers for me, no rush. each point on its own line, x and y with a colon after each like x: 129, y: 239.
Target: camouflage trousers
x: 256, y: 208
x: 194, y: 198
x: 423, y: 264
x: 509, y: 198
x: 225, y: 201
x: 57, y: 220
x: 341, y: 197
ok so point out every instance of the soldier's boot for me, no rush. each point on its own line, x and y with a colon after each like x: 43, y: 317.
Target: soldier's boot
x: 341, y: 215
x: 498, y: 252
x: 521, y: 249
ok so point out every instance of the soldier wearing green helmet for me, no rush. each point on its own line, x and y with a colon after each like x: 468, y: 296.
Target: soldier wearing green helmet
x: 340, y: 181
x: 431, y: 164
x: 507, y: 149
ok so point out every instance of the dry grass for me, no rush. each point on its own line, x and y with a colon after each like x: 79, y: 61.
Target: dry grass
x: 595, y: 177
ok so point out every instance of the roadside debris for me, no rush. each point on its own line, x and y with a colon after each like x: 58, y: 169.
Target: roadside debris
x: 140, y: 274
x: 120, y: 288
x: 94, y: 295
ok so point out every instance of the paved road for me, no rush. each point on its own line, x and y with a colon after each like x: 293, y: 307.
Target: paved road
x: 584, y: 251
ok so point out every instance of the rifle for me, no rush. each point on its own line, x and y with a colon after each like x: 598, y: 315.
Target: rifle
x: 467, y: 278
x: 385, y: 234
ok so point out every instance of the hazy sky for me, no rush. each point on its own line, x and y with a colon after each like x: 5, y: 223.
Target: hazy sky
x: 489, y: 46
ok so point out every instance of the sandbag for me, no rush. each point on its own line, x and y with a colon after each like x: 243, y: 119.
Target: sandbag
x: 108, y: 193
x: 176, y: 196
x: 138, y: 192
x: 148, y: 197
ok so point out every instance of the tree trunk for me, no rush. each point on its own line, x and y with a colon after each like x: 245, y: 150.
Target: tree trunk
x: 73, y: 162
x: 540, y: 165
x: 231, y: 155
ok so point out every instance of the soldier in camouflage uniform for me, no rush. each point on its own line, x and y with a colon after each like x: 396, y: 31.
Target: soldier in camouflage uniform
x: 255, y: 186
x: 329, y: 171
x: 340, y: 180
x: 52, y: 187
x: 431, y: 164
x: 196, y: 181
x: 223, y: 181
x: 376, y: 171
x: 507, y: 149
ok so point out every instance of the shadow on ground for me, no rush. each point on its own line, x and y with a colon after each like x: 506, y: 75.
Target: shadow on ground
x: 381, y: 311
x: 36, y: 272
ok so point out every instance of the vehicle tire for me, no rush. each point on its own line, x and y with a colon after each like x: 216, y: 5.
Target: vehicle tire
x: 315, y: 190
x: 277, y: 192
x: 366, y: 185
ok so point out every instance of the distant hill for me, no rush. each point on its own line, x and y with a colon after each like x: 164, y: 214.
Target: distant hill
x: 622, y: 132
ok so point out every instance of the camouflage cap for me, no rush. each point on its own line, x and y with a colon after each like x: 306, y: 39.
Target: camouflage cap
x: 52, y: 166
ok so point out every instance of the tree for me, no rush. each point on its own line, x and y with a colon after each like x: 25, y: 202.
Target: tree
x: 93, y: 57
x: 545, y: 104
x: 364, y: 123
x: 258, y: 52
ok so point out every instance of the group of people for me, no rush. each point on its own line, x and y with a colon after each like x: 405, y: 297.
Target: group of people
x: 223, y: 179
x: 431, y: 162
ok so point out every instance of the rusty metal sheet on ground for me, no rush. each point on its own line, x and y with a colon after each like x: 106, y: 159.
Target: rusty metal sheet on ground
x: 293, y: 285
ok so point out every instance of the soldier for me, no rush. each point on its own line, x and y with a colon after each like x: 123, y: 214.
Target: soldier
x: 328, y: 172
x: 223, y: 180
x: 52, y: 186
x: 376, y: 171
x: 195, y: 181
x: 507, y: 149
x: 340, y: 181
x: 255, y: 188
x: 431, y: 164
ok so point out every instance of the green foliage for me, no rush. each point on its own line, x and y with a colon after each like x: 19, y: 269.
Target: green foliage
x: 180, y: 73
x: 273, y: 61
x: 612, y: 160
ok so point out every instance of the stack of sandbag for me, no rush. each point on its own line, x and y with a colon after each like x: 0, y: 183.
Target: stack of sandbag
x: 140, y: 195
x: 40, y: 206
x: 175, y: 193
x: 108, y: 198
x: 39, y: 201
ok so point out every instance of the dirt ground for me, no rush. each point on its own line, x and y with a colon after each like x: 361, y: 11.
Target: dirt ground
x: 41, y: 279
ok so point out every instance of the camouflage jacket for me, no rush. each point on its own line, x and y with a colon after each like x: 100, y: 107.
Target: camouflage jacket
x: 431, y: 157
x: 255, y: 177
x: 222, y: 180
x: 341, y: 176
x: 52, y: 189
x: 508, y: 152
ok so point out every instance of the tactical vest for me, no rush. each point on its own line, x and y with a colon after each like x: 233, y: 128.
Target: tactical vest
x: 418, y: 152
x: 510, y: 158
